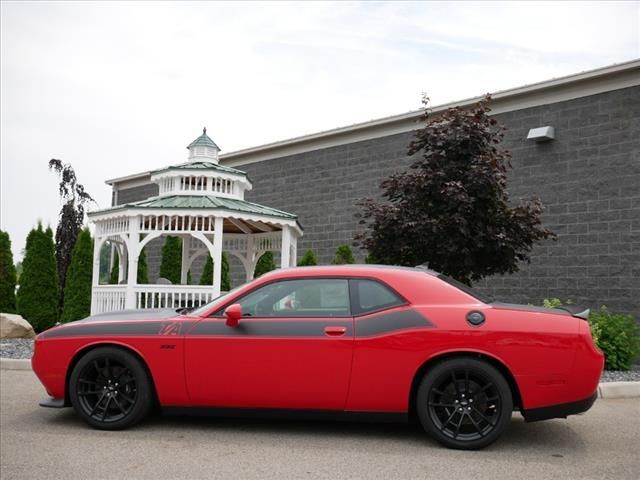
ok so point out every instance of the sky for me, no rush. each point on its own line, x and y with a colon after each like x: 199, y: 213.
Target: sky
x: 116, y: 88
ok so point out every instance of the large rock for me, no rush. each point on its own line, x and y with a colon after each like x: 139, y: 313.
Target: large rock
x: 14, y: 326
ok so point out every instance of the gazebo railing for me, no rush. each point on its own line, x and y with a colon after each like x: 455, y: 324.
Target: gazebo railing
x: 112, y: 298
x: 108, y: 298
x: 172, y: 296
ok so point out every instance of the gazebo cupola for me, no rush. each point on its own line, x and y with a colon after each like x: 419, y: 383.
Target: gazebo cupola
x: 202, y: 202
x: 203, y: 149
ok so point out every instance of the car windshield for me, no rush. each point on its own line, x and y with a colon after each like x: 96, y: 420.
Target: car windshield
x: 466, y: 289
x: 207, y: 306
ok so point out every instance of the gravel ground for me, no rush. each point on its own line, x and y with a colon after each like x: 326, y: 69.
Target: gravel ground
x: 16, y: 347
x: 23, y: 348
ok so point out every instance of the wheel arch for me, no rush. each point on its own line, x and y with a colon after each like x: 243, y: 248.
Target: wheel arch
x: 441, y: 357
x: 81, y: 352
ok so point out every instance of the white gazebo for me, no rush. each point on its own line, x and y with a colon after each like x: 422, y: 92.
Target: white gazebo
x: 203, y: 203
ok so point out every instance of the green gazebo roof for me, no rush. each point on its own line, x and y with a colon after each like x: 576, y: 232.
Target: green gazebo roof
x: 198, y: 202
x: 203, y: 141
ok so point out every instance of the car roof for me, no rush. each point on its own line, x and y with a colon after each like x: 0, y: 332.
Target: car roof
x: 341, y: 270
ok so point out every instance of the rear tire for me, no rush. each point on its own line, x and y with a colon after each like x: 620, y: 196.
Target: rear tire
x: 464, y: 403
x: 110, y: 389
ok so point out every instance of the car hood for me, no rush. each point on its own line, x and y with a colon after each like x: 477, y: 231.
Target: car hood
x: 133, y: 315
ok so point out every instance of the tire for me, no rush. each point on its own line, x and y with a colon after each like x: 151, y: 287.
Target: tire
x: 110, y: 389
x: 464, y: 403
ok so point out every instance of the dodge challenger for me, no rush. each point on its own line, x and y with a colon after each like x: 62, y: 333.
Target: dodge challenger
x: 387, y: 343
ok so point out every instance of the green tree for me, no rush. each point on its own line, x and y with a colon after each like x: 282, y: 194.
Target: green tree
x: 37, y: 297
x: 77, y: 303
x: 344, y: 255
x: 207, y: 273
x: 71, y: 219
x: 225, y: 280
x: 451, y: 209
x: 265, y: 264
x: 115, y: 271
x: 171, y: 261
x: 7, y: 275
x: 308, y: 259
x: 143, y: 269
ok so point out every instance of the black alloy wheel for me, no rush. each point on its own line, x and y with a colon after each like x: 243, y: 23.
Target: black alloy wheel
x: 464, y: 403
x: 110, y: 389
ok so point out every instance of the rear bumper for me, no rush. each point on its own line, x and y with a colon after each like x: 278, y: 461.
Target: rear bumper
x: 562, y: 410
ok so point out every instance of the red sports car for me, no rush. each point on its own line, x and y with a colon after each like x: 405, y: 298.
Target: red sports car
x: 381, y: 342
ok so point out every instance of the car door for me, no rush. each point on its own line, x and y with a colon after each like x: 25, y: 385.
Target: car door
x: 291, y: 349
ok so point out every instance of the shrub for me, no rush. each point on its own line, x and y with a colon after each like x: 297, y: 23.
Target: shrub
x: 207, y: 273
x: 265, y: 264
x: 344, y: 255
x: 37, y: 298
x: 308, y: 259
x: 7, y: 275
x: 115, y: 271
x: 143, y: 270
x: 171, y: 262
x: 77, y: 290
x: 616, y: 334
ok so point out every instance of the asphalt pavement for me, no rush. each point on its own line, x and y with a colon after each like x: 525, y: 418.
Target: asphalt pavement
x: 44, y: 443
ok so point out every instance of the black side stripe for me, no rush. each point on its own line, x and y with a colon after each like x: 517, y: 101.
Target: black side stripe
x: 271, y: 328
x: 389, y: 322
x: 160, y: 328
x: 383, y: 323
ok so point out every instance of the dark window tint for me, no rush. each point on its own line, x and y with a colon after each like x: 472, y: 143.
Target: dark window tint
x: 372, y: 296
x: 299, y: 298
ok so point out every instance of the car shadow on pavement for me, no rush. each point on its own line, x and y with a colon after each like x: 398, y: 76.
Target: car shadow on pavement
x: 548, y: 435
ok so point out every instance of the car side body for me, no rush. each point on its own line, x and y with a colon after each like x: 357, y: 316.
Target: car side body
x: 355, y: 361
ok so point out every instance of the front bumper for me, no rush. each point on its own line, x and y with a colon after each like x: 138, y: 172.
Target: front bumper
x: 562, y: 410
x: 51, y: 402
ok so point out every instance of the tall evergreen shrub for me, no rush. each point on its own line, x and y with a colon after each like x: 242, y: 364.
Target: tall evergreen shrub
x: 171, y: 261
x: 37, y: 298
x: 77, y: 291
x: 7, y: 275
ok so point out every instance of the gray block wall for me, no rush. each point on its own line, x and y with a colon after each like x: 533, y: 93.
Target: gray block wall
x: 588, y: 179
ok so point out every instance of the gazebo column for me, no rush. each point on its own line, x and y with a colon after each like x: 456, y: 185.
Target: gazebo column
x: 133, y: 252
x: 95, y: 279
x: 285, y: 249
x: 185, y: 259
x: 294, y: 251
x: 217, y: 256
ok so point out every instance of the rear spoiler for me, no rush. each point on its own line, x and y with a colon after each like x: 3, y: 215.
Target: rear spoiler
x: 579, y: 312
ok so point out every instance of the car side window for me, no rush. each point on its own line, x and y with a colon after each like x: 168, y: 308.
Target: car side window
x: 299, y: 298
x: 372, y: 296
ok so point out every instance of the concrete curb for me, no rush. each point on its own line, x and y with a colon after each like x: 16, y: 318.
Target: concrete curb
x: 14, y: 364
x: 619, y: 390
x: 605, y: 389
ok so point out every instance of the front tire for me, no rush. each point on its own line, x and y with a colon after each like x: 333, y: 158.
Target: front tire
x: 110, y: 389
x: 464, y: 403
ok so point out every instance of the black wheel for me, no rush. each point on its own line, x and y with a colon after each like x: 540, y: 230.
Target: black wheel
x: 464, y: 403
x: 110, y: 389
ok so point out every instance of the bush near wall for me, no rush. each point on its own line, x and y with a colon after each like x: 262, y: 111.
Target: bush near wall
x: 207, y: 273
x: 616, y: 334
x: 344, y: 255
x: 308, y: 259
x: 266, y: 263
